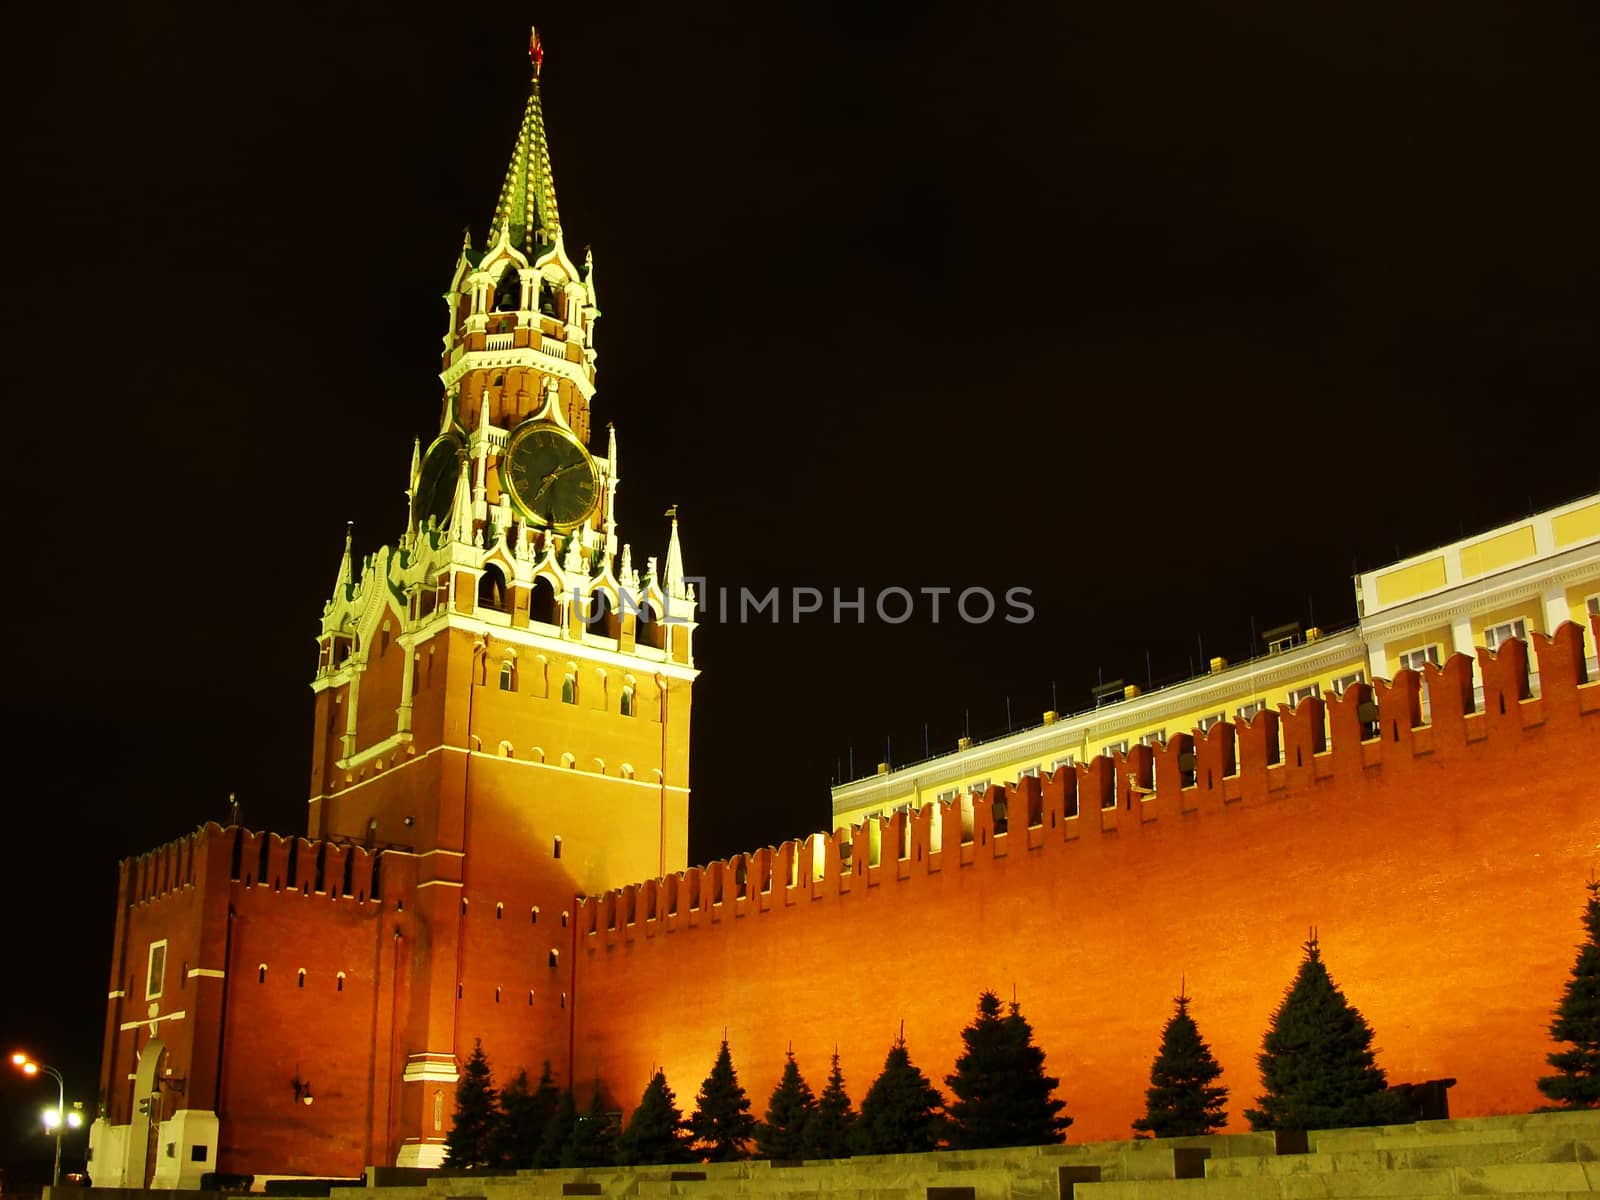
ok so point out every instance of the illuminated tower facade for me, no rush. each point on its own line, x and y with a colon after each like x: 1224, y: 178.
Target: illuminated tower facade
x: 505, y: 693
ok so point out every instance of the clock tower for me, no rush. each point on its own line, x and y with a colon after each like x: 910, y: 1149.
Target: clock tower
x: 502, y: 696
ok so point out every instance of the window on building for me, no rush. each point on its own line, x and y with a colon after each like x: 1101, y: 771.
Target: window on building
x: 1593, y: 604
x: 1071, y: 760
x: 1416, y: 660
x: 1028, y: 773
x: 1113, y: 749
x: 1345, y: 682
x: 1296, y: 695
x: 1207, y: 722
x: 155, y: 970
x: 1498, y: 635
x: 1158, y: 738
x: 948, y: 795
x: 508, y: 675
x: 557, y: 849
x: 978, y: 787
x: 1247, y: 712
x: 569, y: 690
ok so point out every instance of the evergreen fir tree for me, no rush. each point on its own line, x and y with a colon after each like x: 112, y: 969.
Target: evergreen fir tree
x: 526, y: 1110
x: 1182, y: 1099
x: 475, y: 1127
x: 1316, y: 1060
x: 1003, y: 1096
x: 902, y: 1113
x: 1577, y: 1081
x: 557, y: 1131
x: 827, y: 1131
x: 722, y: 1124
x: 657, y: 1132
x: 593, y: 1140
x: 782, y: 1134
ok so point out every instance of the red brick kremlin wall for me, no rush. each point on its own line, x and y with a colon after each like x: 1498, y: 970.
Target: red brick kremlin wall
x: 1443, y: 866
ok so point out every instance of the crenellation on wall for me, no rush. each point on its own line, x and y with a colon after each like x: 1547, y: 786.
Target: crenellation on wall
x: 1323, y: 743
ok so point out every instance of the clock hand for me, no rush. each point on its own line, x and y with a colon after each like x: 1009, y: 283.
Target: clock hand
x: 549, y: 479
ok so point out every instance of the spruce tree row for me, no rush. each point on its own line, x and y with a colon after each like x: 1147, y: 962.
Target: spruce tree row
x: 1318, y: 1071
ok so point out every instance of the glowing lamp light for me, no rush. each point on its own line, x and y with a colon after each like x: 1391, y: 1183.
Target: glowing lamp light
x: 18, y: 1058
x: 30, y: 1068
x: 52, y: 1118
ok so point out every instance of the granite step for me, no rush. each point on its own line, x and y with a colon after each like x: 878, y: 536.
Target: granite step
x: 1425, y: 1153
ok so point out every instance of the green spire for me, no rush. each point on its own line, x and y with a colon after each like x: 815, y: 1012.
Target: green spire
x: 527, y: 206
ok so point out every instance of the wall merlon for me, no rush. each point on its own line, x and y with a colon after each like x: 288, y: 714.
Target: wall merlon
x: 1329, y: 743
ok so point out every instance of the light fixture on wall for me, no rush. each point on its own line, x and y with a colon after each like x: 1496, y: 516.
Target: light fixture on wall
x: 302, y: 1090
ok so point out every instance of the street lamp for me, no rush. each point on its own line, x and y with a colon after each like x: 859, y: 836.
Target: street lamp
x: 54, y: 1118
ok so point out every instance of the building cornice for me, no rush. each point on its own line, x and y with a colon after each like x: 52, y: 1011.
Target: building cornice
x: 1070, y: 734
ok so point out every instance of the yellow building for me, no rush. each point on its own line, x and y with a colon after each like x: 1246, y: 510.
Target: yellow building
x: 1522, y: 578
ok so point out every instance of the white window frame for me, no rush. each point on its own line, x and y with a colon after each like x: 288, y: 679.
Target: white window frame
x: 1028, y: 772
x: 948, y: 796
x: 1312, y: 691
x: 1345, y: 682
x: 1153, y: 740
x: 1248, y: 710
x: 151, y: 975
x: 1205, y: 723
x: 1495, y: 636
x: 1112, y: 749
x: 978, y: 788
x: 1592, y: 603
x: 1056, y: 764
x: 1415, y: 660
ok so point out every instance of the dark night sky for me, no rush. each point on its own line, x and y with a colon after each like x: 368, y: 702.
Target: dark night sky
x: 1172, y: 316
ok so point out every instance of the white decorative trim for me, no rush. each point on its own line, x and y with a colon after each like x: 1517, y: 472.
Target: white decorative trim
x: 535, y: 357
x: 485, y: 754
x: 159, y: 1017
x: 393, y: 742
x: 206, y: 973
x: 439, y: 883
x: 429, y: 1073
x: 436, y: 850
x: 421, y: 1154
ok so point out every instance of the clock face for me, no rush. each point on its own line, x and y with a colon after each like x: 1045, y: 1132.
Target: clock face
x: 549, y: 475
x: 436, y: 482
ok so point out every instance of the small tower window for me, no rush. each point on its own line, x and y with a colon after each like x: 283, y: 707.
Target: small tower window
x: 492, y: 590
x: 339, y: 982
x: 508, y: 292
x: 569, y: 690
x: 627, y: 701
x: 547, y: 299
x: 508, y: 675
x: 556, y: 854
x: 301, y: 980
